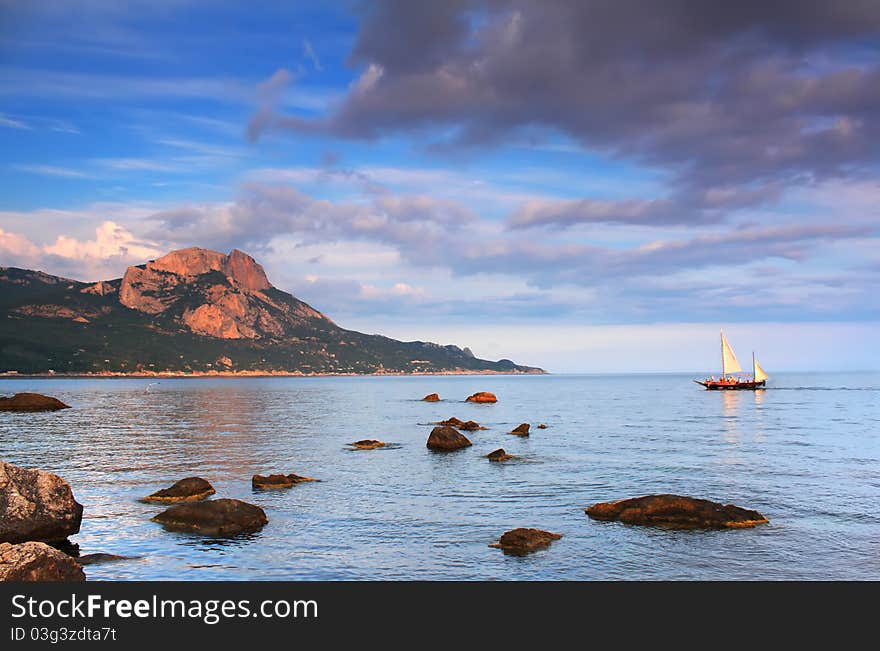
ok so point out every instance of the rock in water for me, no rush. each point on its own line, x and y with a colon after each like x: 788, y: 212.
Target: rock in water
x: 190, y: 489
x: 451, y: 422
x: 431, y: 397
x: 223, y: 517
x: 676, y: 512
x: 444, y: 438
x: 36, y: 506
x: 31, y: 402
x: 101, y: 557
x: 521, y: 430
x: 278, y: 481
x: 471, y: 426
x: 36, y: 561
x: 367, y: 444
x: 482, y: 396
x: 524, y: 541
x: 542, y: 426
x: 499, y: 455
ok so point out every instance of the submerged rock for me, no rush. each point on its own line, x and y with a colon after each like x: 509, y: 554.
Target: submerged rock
x: 36, y: 506
x: 676, y: 512
x: 471, y: 426
x: 431, y: 397
x: 100, y: 557
x: 186, y: 490
x: 451, y: 422
x: 542, y: 426
x: 499, y: 455
x: 223, y: 517
x: 521, y: 430
x: 444, y: 439
x: 519, y: 542
x: 278, y: 481
x: 31, y: 402
x: 36, y: 561
x: 482, y: 396
x: 368, y: 444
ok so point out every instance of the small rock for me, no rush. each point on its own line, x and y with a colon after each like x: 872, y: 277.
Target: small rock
x: 521, y: 430
x: 519, y: 542
x: 36, y: 506
x: 499, y: 455
x: 542, y: 426
x: 445, y: 439
x: 36, y: 561
x: 482, y: 396
x: 451, y: 422
x: 223, y: 517
x: 31, y: 402
x: 190, y: 489
x: 470, y: 426
x: 431, y: 397
x: 368, y: 444
x: 100, y: 557
x: 676, y: 512
x: 278, y: 481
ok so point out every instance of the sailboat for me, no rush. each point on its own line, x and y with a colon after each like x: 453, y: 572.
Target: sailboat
x: 732, y: 376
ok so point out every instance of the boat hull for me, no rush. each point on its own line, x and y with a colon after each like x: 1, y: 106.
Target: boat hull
x: 724, y: 385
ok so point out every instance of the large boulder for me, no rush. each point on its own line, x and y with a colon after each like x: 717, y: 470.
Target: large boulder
x: 190, y: 489
x: 431, y: 397
x: 36, y: 561
x: 223, y: 517
x: 482, y: 396
x: 278, y: 481
x: 36, y: 505
x: 676, y: 512
x: 444, y: 439
x: 519, y: 542
x: 31, y: 402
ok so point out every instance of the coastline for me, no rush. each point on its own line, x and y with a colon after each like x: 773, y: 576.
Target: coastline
x: 240, y: 374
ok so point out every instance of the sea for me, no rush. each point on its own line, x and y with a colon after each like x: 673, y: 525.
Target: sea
x: 805, y: 452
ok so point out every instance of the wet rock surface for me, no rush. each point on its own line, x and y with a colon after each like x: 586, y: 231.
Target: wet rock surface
x: 676, y: 512
x: 278, y: 480
x: 31, y: 402
x: 36, y: 561
x: 499, y: 455
x: 482, y: 396
x: 219, y: 518
x: 431, y: 397
x: 101, y: 557
x: 520, y: 542
x: 186, y: 490
x: 445, y: 439
x: 368, y: 444
x: 36, y: 505
x: 521, y: 430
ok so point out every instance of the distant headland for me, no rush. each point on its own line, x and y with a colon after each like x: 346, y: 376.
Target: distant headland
x: 197, y: 313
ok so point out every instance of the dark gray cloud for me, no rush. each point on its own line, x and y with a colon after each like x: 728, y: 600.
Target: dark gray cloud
x: 748, y: 98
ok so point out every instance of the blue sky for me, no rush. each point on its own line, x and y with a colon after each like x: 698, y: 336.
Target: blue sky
x: 569, y: 188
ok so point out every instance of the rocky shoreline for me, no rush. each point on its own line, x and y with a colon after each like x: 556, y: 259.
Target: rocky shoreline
x: 38, y: 511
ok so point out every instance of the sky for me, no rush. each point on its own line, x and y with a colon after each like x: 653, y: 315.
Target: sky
x: 581, y: 185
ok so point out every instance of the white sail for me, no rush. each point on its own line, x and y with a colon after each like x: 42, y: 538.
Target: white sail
x: 759, y: 372
x: 728, y: 359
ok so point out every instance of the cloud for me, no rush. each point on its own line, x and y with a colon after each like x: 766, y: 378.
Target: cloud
x: 735, y: 103
x: 53, y: 170
x: 310, y: 54
x: 11, y: 123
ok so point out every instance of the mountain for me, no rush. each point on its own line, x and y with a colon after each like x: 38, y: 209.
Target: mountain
x: 195, y: 311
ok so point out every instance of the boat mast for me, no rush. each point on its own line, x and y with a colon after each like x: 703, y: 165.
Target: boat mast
x: 723, y: 367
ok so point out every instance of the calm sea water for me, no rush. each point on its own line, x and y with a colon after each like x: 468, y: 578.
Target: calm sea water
x: 805, y: 452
